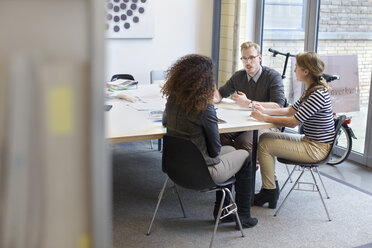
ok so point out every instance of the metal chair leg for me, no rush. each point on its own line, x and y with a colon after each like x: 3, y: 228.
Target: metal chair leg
x: 157, y: 205
x: 236, y: 212
x: 321, y: 180
x: 152, y: 145
x: 294, y: 185
x: 179, y: 199
x: 224, y: 190
x: 218, y: 217
x: 289, y: 174
x: 320, y: 194
x: 288, y: 178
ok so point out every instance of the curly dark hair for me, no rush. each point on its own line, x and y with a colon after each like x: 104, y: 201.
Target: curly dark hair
x: 190, y: 82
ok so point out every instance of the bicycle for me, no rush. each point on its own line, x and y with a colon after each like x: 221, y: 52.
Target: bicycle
x: 345, y: 135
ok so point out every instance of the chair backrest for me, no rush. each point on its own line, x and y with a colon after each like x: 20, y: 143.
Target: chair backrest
x: 156, y: 75
x: 184, y: 164
x: 122, y: 76
x: 338, y: 123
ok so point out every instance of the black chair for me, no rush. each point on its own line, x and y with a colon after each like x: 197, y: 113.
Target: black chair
x: 310, y: 167
x: 122, y: 76
x: 184, y: 164
x: 157, y: 75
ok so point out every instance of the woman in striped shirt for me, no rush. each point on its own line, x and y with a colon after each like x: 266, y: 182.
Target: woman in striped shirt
x: 313, y: 109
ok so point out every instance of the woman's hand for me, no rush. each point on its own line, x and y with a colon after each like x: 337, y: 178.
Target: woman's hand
x: 257, y: 114
x: 258, y: 106
x: 241, y: 99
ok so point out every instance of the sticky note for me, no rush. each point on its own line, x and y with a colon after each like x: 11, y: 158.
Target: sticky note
x: 84, y: 241
x: 60, y: 109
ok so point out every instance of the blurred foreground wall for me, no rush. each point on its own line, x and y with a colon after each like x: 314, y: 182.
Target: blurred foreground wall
x: 50, y: 67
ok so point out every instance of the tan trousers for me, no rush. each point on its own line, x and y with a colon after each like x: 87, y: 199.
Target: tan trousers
x: 288, y: 146
x: 231, y: 162
x: 242, y: 140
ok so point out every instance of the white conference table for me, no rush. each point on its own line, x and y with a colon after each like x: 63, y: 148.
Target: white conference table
x: 132, y: 121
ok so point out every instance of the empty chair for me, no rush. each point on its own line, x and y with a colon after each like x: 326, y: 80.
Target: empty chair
x: 130, y: 77
x: 184, y: 164
x: 122, y: 76
x: 311, y: 167
x: 156, y: 75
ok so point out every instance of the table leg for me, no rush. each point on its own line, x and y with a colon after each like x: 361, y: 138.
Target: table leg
x: 159, y: 144
x: 254, y: 159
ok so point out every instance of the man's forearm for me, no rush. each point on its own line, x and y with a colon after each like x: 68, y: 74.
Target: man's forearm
x: 271, y: 105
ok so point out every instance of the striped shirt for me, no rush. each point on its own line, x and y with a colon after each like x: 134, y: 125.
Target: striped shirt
x: 317, y: 116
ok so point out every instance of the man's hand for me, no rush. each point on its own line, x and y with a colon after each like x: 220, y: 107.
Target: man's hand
x: 216, y: 96
x: 241, y: 99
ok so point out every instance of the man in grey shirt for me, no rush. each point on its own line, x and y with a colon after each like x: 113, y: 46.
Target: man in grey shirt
x: 254, y: 83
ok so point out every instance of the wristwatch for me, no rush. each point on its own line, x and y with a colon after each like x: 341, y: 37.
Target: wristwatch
x: 250, y: 104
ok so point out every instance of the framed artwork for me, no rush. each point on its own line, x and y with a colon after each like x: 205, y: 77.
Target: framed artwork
x: 129, y: 19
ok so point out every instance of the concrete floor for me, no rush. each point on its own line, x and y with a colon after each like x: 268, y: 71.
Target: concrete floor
x: 357, y: 175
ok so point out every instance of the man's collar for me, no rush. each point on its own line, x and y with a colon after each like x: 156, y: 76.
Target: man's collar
x: 257, y: 76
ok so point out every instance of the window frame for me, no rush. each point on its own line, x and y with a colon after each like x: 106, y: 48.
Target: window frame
x: 311, y: 44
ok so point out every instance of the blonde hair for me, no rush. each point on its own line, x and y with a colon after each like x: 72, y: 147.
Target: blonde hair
x: 248, y: 44
x: 314, y: 64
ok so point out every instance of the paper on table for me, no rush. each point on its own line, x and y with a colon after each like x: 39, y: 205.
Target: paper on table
x: 124, y: 96
x: 227, y: 103
x: 227, y: 100
x: 160, y: 83
x: 122, y: 84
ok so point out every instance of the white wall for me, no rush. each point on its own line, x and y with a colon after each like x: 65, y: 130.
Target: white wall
x: 181, y: 27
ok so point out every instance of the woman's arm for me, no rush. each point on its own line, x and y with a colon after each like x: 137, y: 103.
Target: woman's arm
x: 287, y: 121
x: 288, y: 111
x: 210, y: 128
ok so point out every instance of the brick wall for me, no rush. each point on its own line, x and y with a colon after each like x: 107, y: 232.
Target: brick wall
x: 345, y: 16
x: 345, y: 28
x: 225, y: 69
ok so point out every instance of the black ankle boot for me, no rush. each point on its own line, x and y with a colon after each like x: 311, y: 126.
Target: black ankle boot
x: 267, y: 195
x: 243, y: 197
x: 277, y: 190
x: 247, y: 222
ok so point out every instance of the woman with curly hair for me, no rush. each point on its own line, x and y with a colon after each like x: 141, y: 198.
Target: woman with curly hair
x: 190, y: 114
x: 313, y: 109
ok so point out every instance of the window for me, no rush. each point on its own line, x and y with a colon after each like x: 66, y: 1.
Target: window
x: 284, y: 15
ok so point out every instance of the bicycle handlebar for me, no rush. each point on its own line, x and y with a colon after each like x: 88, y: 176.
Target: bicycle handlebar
x: 275, y: 52
x: 327, y: 77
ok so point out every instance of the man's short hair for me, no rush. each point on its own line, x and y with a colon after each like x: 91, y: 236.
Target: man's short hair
x: 248, y: 44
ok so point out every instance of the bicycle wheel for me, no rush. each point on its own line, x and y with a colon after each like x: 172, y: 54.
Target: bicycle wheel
x: 344, y: 142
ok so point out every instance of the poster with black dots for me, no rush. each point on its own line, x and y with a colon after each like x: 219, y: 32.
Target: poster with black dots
x: 129, y: 19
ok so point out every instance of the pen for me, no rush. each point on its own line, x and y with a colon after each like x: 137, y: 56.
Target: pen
x: 111, y: 90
